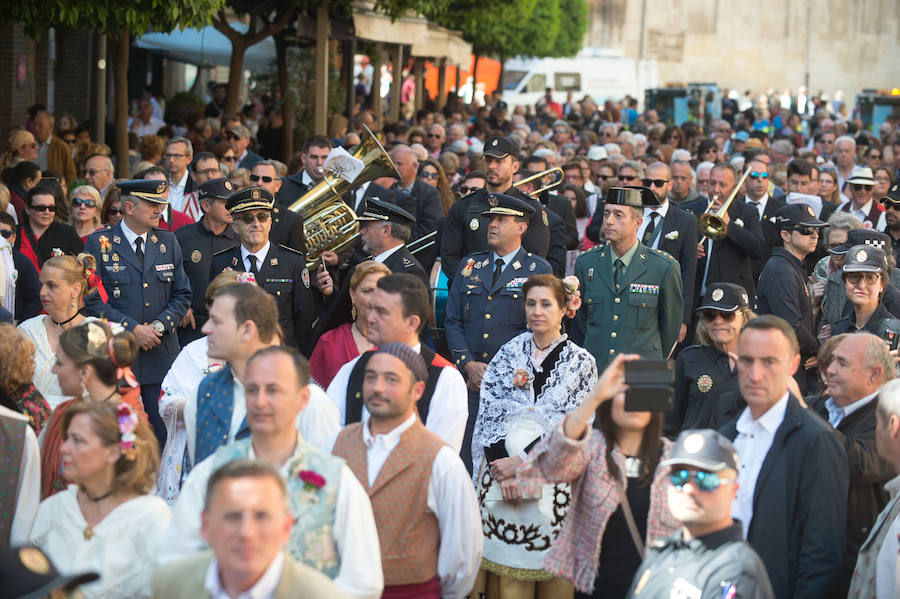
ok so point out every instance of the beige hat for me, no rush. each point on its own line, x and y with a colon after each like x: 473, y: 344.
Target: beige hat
x: 861, y: 175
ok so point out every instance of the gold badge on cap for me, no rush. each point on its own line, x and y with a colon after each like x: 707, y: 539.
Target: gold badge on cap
x: 34, y: 560
x: 717, y: 295
x: 196, y: 256
x: 228, y: 185
x: 473, y: 224
x: 694, y: 443
x: 254, y: 193
x: 494, y: 142
x: 862, y: 256
x: 161, y: 187
x: 492, y: 200
x: 810, y: 211
x: 704, y: 383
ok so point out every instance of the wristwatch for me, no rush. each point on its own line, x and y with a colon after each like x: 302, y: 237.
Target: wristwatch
x: 159, y: 326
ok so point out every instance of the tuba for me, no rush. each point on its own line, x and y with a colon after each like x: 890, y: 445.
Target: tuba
x: 329, y: 224
x: 712, y: 224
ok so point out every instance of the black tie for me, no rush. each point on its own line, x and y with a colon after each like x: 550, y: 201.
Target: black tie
x: 648, y: 232
x: 253, y: 268
x: 138, y: 250
x: 619, y: 268
x: 498, y: 269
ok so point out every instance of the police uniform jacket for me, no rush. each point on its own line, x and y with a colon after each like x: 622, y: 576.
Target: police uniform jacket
x: 783, y: 292
x: 720, y: 564
x: 465, y: 230
x: 287, y: 229
x: 159, y: 290
x: 282, y: 274
x: 836, y: 306
x: 402, y: 261
x: 702, y: 375
x: 643, y: 316
x: 198, y: 245
x: 481, y: 317
x: 880, y: 322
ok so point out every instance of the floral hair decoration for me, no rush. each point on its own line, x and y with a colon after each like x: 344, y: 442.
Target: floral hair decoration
x: 128, y: 420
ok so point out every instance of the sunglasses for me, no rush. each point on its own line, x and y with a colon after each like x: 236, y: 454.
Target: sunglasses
x: 758, y: 175
x: 890, y: 205
x: 230, y: 137
x: 854, y: 278
x: 603, y: 177
x: 262, y: 217
x: 861, y: 186
x: 44, y: 208
x: 628, y: 178
x: 84, y: 202
x: 263, y: 178
x: 427, y: 175
x: 71, y: 142
x: 654, y: 182
x: 466, y: 190
x: 711, y: 315
x: 228, y: 159
x: 804, y: 230
x: 113, y: 212
x: 434, y: 135
x: 7, y: 233
x: 703, y: 481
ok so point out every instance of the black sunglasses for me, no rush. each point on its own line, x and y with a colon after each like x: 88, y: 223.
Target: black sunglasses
x: 627, y: 178
x: 84, y: 202
x: 113, y: 211
x: 466, y: 190
x: 248, y: 219
x: 654, y: 182
x: 263, y: 178
x: 7, y: 233
x: 860, y: 186
x: 44, y: 208
x: 711, y: 315
x: 804, y: 230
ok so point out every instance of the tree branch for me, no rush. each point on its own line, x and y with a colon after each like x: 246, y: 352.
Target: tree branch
x: 221, y: 24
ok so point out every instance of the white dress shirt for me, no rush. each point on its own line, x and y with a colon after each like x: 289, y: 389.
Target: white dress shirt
x: 886, y: 561
x: 131, y: 236
x: 753, y: 441
x: 176, y: 192
x: 264, y: 588
x: 386, y: 254
x: 657, y: 230
x: 354, y: 530
x: 836, y: 413
x: 447, y: 412
x: 452, y: 500
x: 44, y: 153
x: 149, y: 128
x: 260, y: 257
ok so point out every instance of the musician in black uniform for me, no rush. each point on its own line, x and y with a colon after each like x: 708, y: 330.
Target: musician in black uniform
x: 385, y: 228
x: 199, y: 242
x: 279, y: 270
x: 465, y: 228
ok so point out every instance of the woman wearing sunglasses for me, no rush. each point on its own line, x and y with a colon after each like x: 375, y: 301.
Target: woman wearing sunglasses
x: 703, y: 372
x: 866, y: 274
x: 112, y: 208
x: 85, y: 215
x: 620, y: 458
x: 40, y: 234
x: 432, y: 173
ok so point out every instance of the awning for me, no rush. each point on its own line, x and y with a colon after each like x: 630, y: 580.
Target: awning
x: 207, y: 46
x: 443, y: 43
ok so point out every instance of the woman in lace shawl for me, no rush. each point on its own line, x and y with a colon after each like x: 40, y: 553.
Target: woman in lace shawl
x: 527, y: 388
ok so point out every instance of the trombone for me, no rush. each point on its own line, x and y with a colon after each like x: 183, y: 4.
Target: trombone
x: 712, y: 224
x: 558, y: 176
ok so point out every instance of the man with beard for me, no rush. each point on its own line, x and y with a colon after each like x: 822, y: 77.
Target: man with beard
x: 890, y: 220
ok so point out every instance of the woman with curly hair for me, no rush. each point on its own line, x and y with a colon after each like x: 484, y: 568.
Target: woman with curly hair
x: 17, y: 391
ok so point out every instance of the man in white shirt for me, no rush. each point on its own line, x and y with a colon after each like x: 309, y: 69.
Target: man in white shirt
x: 247, y: 560
x: 792, y: 481
x: 177, y: 155
x: 429, y: 522
x: 399, y: 310
x: 875, y: 571
x: 143, y: 122
x: 861, y: 204
x: 334, y: 530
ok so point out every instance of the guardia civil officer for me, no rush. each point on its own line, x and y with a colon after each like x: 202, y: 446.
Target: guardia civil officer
x: 146, y: 287
x: 278, y: 269
x: 708, y: 557
x: 199, y: 241
x: 631, y: 295
x: 485, y: 305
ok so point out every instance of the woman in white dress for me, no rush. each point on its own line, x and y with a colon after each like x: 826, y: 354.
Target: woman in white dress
x: 105, y: 522
x: 528, y: 387
x: 65, y: 281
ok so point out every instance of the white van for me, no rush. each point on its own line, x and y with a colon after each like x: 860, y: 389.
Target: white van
x: 602, y: 73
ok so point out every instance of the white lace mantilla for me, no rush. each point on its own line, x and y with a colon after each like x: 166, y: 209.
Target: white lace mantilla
x: 503, y: 404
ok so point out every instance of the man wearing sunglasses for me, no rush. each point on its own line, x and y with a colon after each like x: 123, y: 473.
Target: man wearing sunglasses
x: 287, y: 226
x: 861, y: 183
x: 890, y: 220
x: 782, y: 287
x: 238, y: 136
x: 756, y: 195
x: 708, y: 556
x: 278, y: 269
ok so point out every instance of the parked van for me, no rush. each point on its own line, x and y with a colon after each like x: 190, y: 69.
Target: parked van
x: 602, y: 73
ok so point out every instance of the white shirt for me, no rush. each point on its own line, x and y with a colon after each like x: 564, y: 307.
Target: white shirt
x: 29, y: 483
x: 886, y: 560
x: 176, y: 192
x: 862, y: 214
x: 836, y: 413
x: 359, y: 195
x: 386, y: 254
x: 44, y: 153
x: 447, y: 412
x: 354, y: 530
x: 260, y: 257
x: 760, y: 204
x: 264, y: 588
x: 131, y: 236
x: 149, y: 128
x: 753, y: 441
x: 452, y: 500
x: 661, y: 211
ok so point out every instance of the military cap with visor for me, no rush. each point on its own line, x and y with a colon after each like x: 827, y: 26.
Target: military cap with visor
x: 215, y: 189
x: 724, y: 297
x: 507, y: 205
x: 796, y: 215
x: 498, y: 147
x: 865, y: 258
x: 704, y: 449
x: 634, y: 196
x: 145, y: 189
x: 868, y: 237
x: 379, y: 210
x: 252, y: 198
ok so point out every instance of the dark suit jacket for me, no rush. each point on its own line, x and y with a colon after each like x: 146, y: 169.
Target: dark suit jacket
x: 770, y: 233
x: 428, y: 208
x: 562, y: 207
x: 28, y: 288
x: 800, y: 507
x: 684, y: 249
x: 249, y: 160
x: 292, y: 189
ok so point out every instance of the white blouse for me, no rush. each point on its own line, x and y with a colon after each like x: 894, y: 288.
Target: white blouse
x: 44, y: 358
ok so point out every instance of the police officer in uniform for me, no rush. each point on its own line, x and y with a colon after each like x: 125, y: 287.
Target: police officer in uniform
x: 385, y: 228
x: 147, y: 289
x: 278, y: 269
x: 199, y: 241
x: 708, y: 557
x: 632, y: 296
x: 865, y: 261
x: 485, y: 305
x: 465, y: 227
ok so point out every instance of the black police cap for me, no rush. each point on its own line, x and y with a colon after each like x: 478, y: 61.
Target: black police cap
x: 724, y: 297
x: 636, y: 196
x: 215, y: 189
x: 865, y: 258
x: 506, y: 205
x: 868, y: 237
x: 704, y: 449
x: 27, y: 572
x: 252, y: 198
x: 794, y: 215
x: 893, y: 195
x: 383, y: 211
x: 145, y: 189
x: 498, y: 147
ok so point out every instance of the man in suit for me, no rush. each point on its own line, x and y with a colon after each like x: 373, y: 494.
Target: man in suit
x: 793, y: 483
x: 147, y: 290
x: 278, y: 269
x: 315, y: 150
x: 429, y: 208
x: 756, y: 195
x: 287, y: 227
x: 860, y: 365
x: 239, y: 138
x: 177, y: 155
x: 245, y: 559
x: 669, y: 228
x: 53, y: 153
x: 385, y: 229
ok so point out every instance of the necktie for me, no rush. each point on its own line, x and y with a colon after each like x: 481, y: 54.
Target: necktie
x: 758, y: 209
x: 253, y: 268
x: 498, y: 269
x: 648, y: 232
x: 618, y: 269
x: 138, y: 250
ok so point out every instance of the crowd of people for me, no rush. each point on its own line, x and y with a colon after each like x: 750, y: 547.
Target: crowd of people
x: 198, y: 398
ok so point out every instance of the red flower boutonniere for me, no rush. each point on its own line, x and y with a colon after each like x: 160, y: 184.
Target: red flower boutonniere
x: 522, y: 379
x: 312, y: 481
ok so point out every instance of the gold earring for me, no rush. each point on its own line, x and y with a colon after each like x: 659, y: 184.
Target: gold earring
x: 353, y: 311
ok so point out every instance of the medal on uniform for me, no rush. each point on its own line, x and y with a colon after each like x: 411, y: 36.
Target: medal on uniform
x: 234, y: 261
x: 546, y: 220
x: 116, y: 292
x: 274, y: 262
x: 153, y: 238
x: 531, y: 267
x: 104, y: 243
x: 590, y: 274
x: 106, y: 257
x: 305, y: 276
x: 117, y: 239
x: 115, y: 257
x: 704, y: 383
x: 467, y: 269
x: 162, y: 248
x: 196, y: 256
x: 473, y: 224
x: 516, y: 265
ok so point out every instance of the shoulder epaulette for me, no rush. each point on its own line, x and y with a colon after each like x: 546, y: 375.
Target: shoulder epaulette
x: 226, y: 250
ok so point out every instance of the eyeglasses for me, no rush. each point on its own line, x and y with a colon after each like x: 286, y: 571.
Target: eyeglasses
x: 854, y: 278
x: 804, y: 230
x: 209, y: 172
x: 891, y: 206
x: 628, y: 178
x: 113, y: 212
x: 262, y: 217
x: 861, y: 186
x: 703, y: 481
x: 603, y: 177
x: 170, y: 156
x: 7, y: 233
x: 228, y: 159
x: 758, y: 175
x: 231, y: 136
x: 44, y: 208
x: 711, y: 315
x: 84, y: 202
x: 466, y: 190
x: 434, y: 135
x: 263, y: 178
x: 654, y: 182
x: 428, y: 175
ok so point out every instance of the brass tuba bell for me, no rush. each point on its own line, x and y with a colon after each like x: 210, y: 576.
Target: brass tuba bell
x: 329, y: 224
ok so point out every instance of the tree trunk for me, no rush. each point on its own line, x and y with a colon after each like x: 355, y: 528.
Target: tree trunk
x: 235, y: 75
x: 475, y: 77
x: 287, y: 99
x: 120, y: 77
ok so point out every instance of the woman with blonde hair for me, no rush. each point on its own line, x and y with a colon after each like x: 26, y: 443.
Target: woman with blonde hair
x: 22, y: 146
x: 17, y: 391
x: 105, y: 521
x: 86, y: 206
x: 240, y: 178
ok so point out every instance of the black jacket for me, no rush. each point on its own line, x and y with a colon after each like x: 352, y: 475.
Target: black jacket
x: 682, y: 226
x: 880, y: 321
x: 800, y: 507
x: 770, y: 233
x: 428, y: 208
x: 57, y: 236
x: 292, y: 189
x: 703, y: 380
x: 562, y: 207
x: 782, y: 291
x: 28, y: 288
